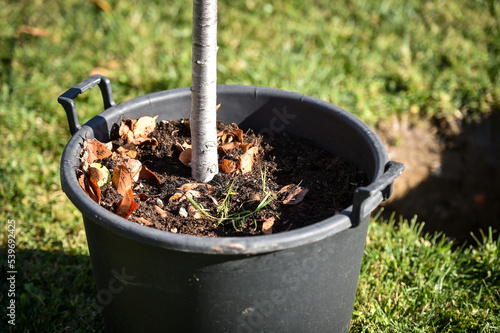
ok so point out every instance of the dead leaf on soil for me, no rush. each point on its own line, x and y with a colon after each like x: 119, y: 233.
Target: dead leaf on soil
x: 84, y: 182
x: 145, y: 142
x: 246, y: 146
x: 229, y: 146
x: 295, y: 194
x: 245, y: 161
x: 95, y: 188
x: 133, y: 166
x: 127, y: 205
x: 185, y: 157
x: 176, y: 196
x: 195, y: 213
x: 96, y: 176
x: 98, y: 150
x: 141, y: 196
x: 125, y: 131
x: 199, y: 186
x: 267, y: 226
x: 160, y: 211
x: 142, y: 220
x: 227, y: 166
x: 144, y: 126
x: 227, y: 138
x: 196, y: 190
x: 148, y: 175
x: 122, y: 179
x: 125, y: 151
x: 133, y: 129
x: 216, y: 203
x: 238, y: 133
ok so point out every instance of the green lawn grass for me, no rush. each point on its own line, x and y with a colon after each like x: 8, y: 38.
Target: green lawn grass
x: 377, y: 59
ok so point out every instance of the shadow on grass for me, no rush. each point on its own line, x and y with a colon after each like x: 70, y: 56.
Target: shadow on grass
x: 462, y: 196
x: 54, y: 292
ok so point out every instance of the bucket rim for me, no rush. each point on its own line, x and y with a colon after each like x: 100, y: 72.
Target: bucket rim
x: 259, y: 244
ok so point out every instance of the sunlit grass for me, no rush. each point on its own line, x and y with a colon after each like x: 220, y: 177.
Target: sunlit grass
x: 411, y: 282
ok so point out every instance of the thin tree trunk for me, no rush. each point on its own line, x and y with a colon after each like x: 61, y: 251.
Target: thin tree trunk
x: 203, y: 91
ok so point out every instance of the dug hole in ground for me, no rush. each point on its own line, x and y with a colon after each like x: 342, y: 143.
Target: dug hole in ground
x: 452, y: 173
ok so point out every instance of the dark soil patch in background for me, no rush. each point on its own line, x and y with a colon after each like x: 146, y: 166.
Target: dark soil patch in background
x: 452, y: 176
x: 330, y: 182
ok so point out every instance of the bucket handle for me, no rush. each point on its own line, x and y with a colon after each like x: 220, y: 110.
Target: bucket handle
x: 66, y: 99
x: 366, y: 199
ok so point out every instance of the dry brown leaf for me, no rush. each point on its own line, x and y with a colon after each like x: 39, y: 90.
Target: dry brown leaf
x: 196, y: 190
x: 185, y: 157
x: 192, y: 211
x: 246, y: 146
x: 227, y: 138
x: 287, y: 188
x: 84, y: 182
x: 96, y: 175
x: 122, y: 179
x: 145, y: 142
x: 148, y: 175
x: 142, y: 220
x: 81, y: 180
x: 127, y: 205
x: 183, y: 146
x: 217, y: 107
x: 267, y: 226
x: 98, y: 150
x: 227, y: 166
x: 254, y: 197
x: 124, y: 151
x: 144, y: 126
x: 125, y: 130
x: 238, y: 133
x: 176, y: 196
x: 160, y: 211
x: 219, y: 134
x: 134, y: 166
x: 95, y: 187
x: 216, y: 203
x: 104, y: 5
x: 27, y: 30
x: 229, y: 146
x: 295, y: 194
x: 199, y: 186
x: 141, y: 196
x: 245, y: 161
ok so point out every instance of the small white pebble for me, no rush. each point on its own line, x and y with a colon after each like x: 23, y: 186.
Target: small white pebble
x: 183, y: 212
x: 159, y: 203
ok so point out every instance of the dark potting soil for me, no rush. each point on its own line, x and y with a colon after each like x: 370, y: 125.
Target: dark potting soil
x: 292, y: 184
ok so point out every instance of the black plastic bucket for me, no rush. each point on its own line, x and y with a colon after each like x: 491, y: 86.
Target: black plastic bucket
x: 303, y: 280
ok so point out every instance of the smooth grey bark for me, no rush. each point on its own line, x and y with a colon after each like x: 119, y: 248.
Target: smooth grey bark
x: 204, y: 163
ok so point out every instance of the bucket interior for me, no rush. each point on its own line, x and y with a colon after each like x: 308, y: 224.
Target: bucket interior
x: 268, y: 111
